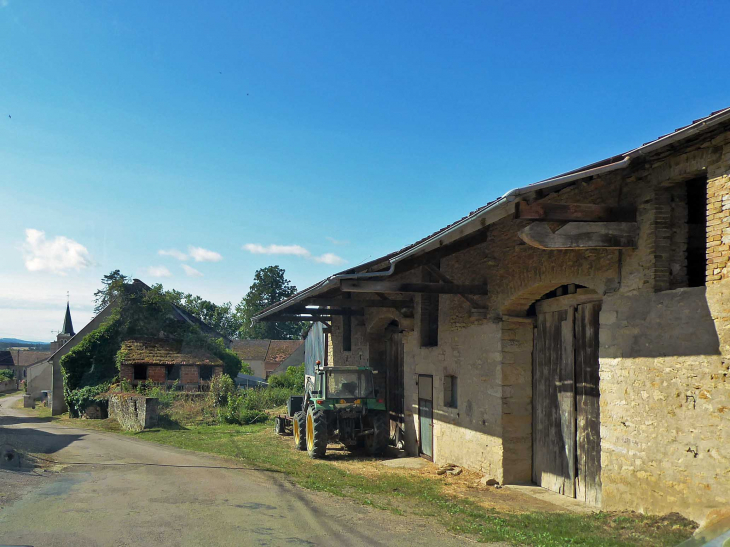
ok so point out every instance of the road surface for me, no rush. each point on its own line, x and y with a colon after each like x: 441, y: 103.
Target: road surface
x: 116, y: 490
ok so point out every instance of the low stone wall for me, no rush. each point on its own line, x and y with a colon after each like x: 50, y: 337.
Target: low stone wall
x: 8, y: 385
x: 134, y: 412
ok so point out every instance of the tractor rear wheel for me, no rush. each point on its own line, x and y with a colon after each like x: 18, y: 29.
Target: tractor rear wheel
x: 299, y: 427
x: 316, y: 432
x: 377, y: 442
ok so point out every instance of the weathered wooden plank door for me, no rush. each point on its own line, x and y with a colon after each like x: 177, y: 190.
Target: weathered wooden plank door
x: 588, y: 417
x: 425, y: 415
x: 396, y: 379
x: 553, y: 403
x: 566, y: 419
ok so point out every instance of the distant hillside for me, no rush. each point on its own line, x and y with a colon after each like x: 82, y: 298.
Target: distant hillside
x: 19, y: 342
x: 6, y: 343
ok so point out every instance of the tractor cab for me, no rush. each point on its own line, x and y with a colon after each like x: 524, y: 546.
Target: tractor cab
x: 344, y: 384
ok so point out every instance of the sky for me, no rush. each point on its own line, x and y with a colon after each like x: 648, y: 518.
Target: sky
x: 191, y: 143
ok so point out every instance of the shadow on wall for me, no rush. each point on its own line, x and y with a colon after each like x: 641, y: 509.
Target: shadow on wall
x: 671, y: 323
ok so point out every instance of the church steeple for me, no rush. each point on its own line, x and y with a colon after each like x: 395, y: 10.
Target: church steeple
x: 68, y: 327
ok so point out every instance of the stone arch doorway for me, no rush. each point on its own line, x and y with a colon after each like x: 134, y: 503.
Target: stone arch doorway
x: 566, y: 452
x: 386, y: 358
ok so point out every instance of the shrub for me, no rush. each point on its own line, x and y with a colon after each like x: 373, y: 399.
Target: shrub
x: 79, y: 399
x: 249, y: 406
x: 222, y: 388
x: 292, y: 379
x: 6, y: 374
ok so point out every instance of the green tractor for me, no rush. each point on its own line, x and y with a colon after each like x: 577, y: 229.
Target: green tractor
x: 340, y: 404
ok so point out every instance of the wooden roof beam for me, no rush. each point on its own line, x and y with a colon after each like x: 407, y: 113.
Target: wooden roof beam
x: 344, y: 303
x: 444, y: 279
x: 355, y: 285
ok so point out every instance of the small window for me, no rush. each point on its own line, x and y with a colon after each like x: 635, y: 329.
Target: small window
x: 140, y: 372
x: 450, y: 389
x: 173, y: 372
x: 206, y: 373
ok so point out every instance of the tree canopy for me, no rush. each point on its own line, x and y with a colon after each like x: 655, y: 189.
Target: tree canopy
x: 269, y: 287
x: 112, y: 284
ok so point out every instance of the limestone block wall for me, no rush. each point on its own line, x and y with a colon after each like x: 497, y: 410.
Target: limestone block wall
x: 665, y: 400
x: 39, y: 377
x: 469, y: 435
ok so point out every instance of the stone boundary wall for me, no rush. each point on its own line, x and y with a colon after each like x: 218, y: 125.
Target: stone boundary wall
x: 134, y: 412
x: 8, y: 385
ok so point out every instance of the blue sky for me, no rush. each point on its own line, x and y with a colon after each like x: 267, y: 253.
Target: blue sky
x: 335, y: 132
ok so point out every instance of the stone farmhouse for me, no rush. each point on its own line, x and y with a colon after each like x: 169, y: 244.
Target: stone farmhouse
x: 266, y: 356
x: 573, y: 333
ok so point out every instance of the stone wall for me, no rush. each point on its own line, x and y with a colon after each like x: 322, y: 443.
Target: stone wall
x: 8, y: 385
x: 134, y: 412
x: 665, y: 400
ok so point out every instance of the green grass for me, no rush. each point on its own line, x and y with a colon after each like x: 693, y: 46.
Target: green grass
x: 258, y: 447
x: 9, y: 393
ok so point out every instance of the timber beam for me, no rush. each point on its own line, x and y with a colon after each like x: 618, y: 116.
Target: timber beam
x: 354, y: 285
x: 582, y: 235
x: 573, y: 212
x: 301, y: 310
x: 293, y: 318
x: 444, y: 279
x: 344, y: 303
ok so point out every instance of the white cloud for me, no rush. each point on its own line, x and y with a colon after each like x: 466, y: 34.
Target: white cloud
x: 192, y: 272
x: 158, y: 271
x: 57, y: 256
x: 337, y: 241
x: 293, y: 250
x: 174, y: 253
x: 330, y: 258
x: 204, y: 255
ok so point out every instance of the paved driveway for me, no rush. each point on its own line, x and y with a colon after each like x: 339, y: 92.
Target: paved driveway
x: 115, y: 490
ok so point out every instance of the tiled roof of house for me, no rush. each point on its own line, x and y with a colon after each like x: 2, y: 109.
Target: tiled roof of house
x: 158, y: 351
x: 22, y: 358
x: 281, y: 349
x: 251, y: 350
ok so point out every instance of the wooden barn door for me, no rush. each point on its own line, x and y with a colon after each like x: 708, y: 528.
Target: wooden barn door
x: 566, y: 420
x: 396, y: 379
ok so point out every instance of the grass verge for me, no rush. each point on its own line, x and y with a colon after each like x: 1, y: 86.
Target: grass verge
x: 256, y: 445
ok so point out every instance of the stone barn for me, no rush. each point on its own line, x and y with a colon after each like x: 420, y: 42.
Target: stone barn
x: 573, y: 334
x: 165, y: 361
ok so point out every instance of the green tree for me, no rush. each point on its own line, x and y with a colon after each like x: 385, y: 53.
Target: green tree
x: 113, y: 283
x: 222, y: 318
x: 269, y: 287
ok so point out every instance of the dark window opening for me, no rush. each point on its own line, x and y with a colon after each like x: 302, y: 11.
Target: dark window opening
x: 173, y: 372
x: 450, y: 391
x: 346, y: 333
x: 206, y: 373
x: 429, y: 313
x: 697, y: 232
x: 140, y: 372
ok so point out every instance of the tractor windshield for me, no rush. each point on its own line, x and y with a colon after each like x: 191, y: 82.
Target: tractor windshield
x: 349, y: 384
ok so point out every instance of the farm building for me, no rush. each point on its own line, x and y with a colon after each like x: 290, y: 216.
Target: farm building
x: 165, y: 361
x: 573, y: 334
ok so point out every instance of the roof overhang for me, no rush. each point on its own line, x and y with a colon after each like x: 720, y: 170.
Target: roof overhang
x: 490, y: 213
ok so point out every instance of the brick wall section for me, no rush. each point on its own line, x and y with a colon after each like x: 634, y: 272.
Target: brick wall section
x: 156, y: 374
x: 718, y: 227
x: 126, y: 372
x: 217, y: 371
x: 189, y: 374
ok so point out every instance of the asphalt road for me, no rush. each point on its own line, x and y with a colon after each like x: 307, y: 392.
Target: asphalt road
x: 115, y: 490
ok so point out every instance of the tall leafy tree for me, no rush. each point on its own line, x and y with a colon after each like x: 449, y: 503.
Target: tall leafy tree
x: 112, y: 285
x: 222, y: 318
x: 269, y: 287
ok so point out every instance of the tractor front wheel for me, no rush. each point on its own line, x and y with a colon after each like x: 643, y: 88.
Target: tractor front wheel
x: 377, y: 442
x: 316, y: 432
x: 299, y: 427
